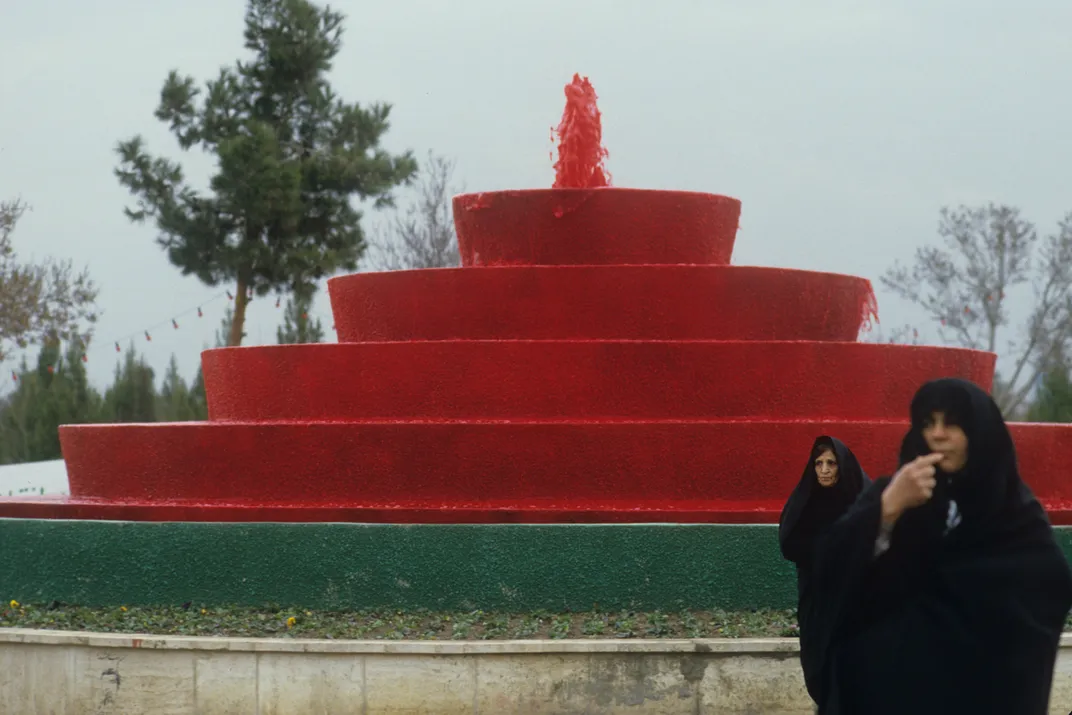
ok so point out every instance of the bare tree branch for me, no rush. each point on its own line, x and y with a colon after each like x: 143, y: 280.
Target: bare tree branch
x: 40, y: 301
x: 903, y: 335
x: 963, y: 285
x: 422, y: 235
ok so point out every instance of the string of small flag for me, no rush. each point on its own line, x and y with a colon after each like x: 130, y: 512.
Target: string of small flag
x: 173, y: 321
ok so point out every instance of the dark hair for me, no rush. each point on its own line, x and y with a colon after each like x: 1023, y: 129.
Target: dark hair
x: 954, y: 404
x: 821, y: 446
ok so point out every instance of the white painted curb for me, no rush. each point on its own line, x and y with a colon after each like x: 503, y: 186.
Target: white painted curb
x: 78, y: 673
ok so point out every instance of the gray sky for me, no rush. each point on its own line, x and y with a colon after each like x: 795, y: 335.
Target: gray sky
x: 842, y: 126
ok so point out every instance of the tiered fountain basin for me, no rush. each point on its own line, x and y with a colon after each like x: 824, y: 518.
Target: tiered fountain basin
x: 595, y: 407
x: 653, y: 302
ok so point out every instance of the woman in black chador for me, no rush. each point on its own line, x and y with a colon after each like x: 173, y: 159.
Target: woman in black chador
x: 943, y: 588
x: 831, y: 481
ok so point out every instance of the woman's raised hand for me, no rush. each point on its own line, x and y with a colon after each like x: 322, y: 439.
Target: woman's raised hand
x: 911, y: 486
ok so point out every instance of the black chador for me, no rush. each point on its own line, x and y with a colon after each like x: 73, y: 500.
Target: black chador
x: 958, y: 606
x: 809, y: 511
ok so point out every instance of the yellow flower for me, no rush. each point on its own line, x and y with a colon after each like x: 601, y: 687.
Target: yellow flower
x: 123, y: 609
x: 14, y: 603
x: 203, y: 611
x: 291, y: 621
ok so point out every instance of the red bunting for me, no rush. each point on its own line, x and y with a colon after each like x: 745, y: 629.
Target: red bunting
x: 84, y: 346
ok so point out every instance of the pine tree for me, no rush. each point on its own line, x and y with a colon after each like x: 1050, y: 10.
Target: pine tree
x: 290, y: 156
x: 18, y: 422
x: 223, y: 335
x: 132, y: 396
x: 85, y: 403
x: 176, y: 402
x: 1053, y: 402
x: 298, y: 326
x: 198, y: 399
x: 55, y: 393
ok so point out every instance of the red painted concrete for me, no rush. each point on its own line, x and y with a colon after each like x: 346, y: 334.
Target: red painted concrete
x: 576, y: 511
x: 542, y: 393
x: 599, y: 303
x: 554, y: 380
x: 595, y: 227
x: 448, y: 464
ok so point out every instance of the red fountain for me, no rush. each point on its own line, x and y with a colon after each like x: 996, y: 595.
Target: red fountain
x: 596, y: 359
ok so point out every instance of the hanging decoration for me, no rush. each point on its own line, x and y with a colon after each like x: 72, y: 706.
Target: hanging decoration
x: 147, y: 332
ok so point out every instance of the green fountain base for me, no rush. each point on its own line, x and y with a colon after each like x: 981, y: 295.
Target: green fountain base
x: 509, y: 567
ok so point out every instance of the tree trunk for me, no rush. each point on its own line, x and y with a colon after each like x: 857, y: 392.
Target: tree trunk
x: 238, y: 320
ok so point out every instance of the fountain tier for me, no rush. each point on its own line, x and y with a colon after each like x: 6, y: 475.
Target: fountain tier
x: 584, y: 380
x: 657, y: 302
x: 595, y: 361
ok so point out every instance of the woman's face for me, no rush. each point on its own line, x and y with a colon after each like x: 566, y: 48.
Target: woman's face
x: 826, y: 471
x: 947, y: 440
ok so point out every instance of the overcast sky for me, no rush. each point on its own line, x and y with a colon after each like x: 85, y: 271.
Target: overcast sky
x: 842, y: 126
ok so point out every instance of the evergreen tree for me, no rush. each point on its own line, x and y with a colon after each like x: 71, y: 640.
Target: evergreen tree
x: 198, y: 399
x: 44, y: 410
x: 55, y: 393
x: 176, y: 402
x: 18, y: 422
x: 132, y: 396
x: 290, y: 157
x: 223, y: 335
x: 1053, y: 401
x: 85, y: 401
x: 8, y: 438
x: 297, y: 326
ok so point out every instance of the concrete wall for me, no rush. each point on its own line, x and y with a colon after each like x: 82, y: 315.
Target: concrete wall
x: 54, y: 673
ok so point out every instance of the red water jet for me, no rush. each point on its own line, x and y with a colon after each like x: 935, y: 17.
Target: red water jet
x: 580, y: 140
